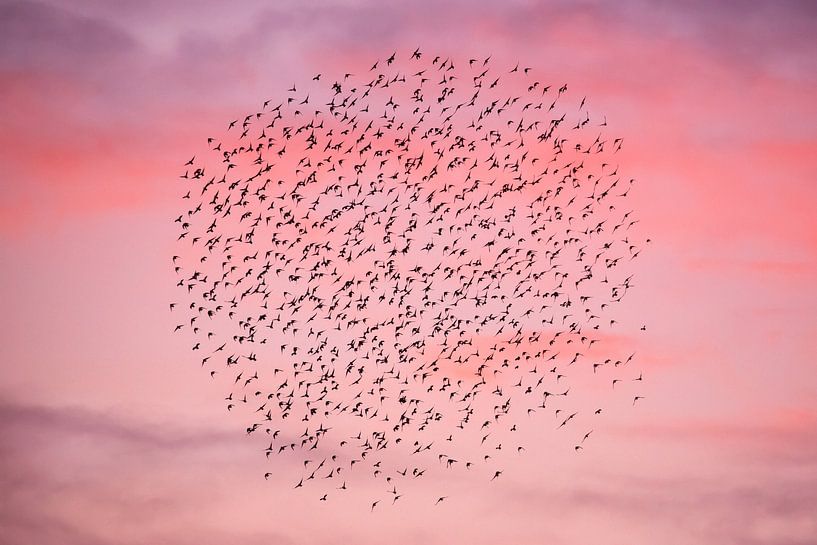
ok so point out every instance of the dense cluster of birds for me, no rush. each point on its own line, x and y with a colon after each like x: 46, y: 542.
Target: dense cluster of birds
x: 397, y: 272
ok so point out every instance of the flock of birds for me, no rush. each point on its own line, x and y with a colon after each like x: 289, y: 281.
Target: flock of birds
x: 397, y: 272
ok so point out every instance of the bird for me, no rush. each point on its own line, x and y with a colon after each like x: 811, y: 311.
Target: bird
x: 437, y: 248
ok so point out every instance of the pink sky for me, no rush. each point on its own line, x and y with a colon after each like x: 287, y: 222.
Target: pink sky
x: 111, y: 434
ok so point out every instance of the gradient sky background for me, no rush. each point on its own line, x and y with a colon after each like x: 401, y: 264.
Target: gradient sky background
x: 111, y: 434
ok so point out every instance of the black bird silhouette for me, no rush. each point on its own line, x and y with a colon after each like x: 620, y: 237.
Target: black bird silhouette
x: 412, y: 256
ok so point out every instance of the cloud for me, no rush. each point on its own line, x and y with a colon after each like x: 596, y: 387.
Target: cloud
x: 138, y: 83
x: 762, y: 509
x: 74, y: 476
x: 40, y: 37
x: 70, y: 421
x: 782, y: 437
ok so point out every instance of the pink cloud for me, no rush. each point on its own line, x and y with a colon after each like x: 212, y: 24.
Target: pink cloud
x: 113, y: 436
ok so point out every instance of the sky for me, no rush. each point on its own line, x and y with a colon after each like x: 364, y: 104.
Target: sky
x: 111, y: 434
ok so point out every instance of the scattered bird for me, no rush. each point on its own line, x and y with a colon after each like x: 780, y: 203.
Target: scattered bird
x: 431, y: 249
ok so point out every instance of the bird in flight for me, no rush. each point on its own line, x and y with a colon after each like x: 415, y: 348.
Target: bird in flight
x: 399, y: 273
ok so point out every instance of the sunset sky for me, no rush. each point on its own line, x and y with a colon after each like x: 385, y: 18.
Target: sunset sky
x: 111, y: 434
